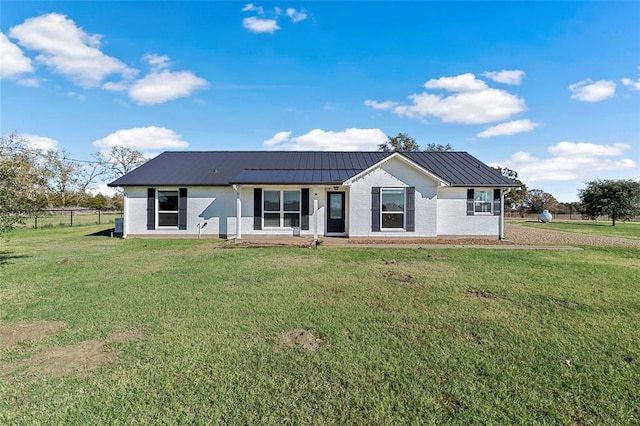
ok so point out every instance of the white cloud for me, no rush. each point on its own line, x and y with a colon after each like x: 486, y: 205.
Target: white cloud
x: 580, y: 149
x: 278, y: 138
x: 633, y: 85
x: 592, y: 91
x: 571, y: 161
x: 157, y: 62
x: 162, y: 86
x: 513, y: 77
x: 472, y: 102
x: 296, y: 15
x: 41, y: 142
x: 509, y: 128
x: 485, y: 106
x: 103, y: 189
x: 12, y: 59
x: 460, y: 83
x: 258, y: 25
x: 250, y: 7
x: 321, y: 140
x: 118, y: 86
x: 29, y: 82
x: 380, y: 105
x: 143, y: 138
x: 68, y: 50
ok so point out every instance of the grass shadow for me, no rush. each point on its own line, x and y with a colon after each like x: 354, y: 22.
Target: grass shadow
x: 5, y: 256
x: 104, y: 233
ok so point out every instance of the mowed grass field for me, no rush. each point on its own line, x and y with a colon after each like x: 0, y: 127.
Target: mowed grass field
x: 622, y: 229
x: 188, y: 332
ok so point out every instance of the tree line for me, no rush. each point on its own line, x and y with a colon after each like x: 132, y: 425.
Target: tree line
x: 33, y: 179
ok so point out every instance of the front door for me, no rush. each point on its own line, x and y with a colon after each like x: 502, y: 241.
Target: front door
x: 336, y: 216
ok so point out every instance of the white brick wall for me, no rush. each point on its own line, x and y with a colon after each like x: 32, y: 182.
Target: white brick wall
x: 453, y: 219
x: 215, y: 206
x: 393, y: 173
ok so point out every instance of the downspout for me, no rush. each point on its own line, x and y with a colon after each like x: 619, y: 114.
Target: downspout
x: 503, y: 192
x: 238, y: 213
x: 315, y: 214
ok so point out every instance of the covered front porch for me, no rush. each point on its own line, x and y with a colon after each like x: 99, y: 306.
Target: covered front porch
x: 290, y: 211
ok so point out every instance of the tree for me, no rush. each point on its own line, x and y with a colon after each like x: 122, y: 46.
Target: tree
x: 537, y: 200
x: 21, y: 181
x: 119, y: 161
x: 400, y: 143
x: 618, y: 199
x: 432, y: 147
x: 514, y: 198
x: 62, y: 173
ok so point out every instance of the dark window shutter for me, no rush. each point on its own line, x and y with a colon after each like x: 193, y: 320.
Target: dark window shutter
x: 410, y: 209
x: 304, y: 220
x: 151, y: 208
x: 470, y: 202
x: 257, y: 209
x: 496, y: 202
x: 375, y: 209
x: 182, y: 208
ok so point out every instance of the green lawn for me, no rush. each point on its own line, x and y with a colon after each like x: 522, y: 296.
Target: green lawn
x: 622, y: 229
x: 553, y: 338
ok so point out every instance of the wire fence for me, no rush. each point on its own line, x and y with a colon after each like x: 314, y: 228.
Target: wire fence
x: 562, y: 215
x: 71, y: 217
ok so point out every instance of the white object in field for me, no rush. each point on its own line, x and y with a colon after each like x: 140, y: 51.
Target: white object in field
x: 545, y: 216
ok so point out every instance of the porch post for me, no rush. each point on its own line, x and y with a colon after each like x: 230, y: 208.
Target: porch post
x: 315, y: 214
x: 502, y: 214
x: 238, y: 214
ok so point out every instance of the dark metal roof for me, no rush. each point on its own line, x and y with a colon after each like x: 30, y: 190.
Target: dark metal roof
x: 222, y: 168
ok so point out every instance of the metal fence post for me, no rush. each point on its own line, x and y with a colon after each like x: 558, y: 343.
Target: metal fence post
x: 71, y: 216
x: 98, y: 216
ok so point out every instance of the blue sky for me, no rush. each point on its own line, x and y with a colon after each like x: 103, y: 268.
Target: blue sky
x: 549, y: 89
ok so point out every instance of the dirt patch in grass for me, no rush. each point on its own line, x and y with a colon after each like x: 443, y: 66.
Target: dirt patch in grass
x: 401, y: 278
x: 11, y: 334
x: 568, y: 305
x: 302, y: 338
x: 481, y: 293
x: 66, y: 261
x: 62, y: 360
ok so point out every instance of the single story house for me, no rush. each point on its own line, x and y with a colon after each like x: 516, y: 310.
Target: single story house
x: 356, y: 194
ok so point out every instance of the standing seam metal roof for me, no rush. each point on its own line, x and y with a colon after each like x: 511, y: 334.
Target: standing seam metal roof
x: 223, y: 168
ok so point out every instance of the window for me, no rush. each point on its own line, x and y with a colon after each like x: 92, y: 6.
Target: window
x: 281, y: 209
x: 392, y: 208
x: 168, y: 208
x: 482, y: 201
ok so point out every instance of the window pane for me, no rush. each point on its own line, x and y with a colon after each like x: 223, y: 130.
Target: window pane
x: 272, y: 220
x: 335, y: 206
x: 291, y: 219
x: 291, y: 201
x: 392, y: 220
x: 167, y: 219
x: 271, y: 201
x: 393, y: 200
x: 482, y: 207
x: 482, y: 196
x: 168, y: 200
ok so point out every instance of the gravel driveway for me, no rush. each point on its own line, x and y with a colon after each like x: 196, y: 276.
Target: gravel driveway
x: 528, y: 235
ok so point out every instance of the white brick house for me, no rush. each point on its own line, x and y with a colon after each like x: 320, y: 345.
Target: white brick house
x: 355, y: 194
